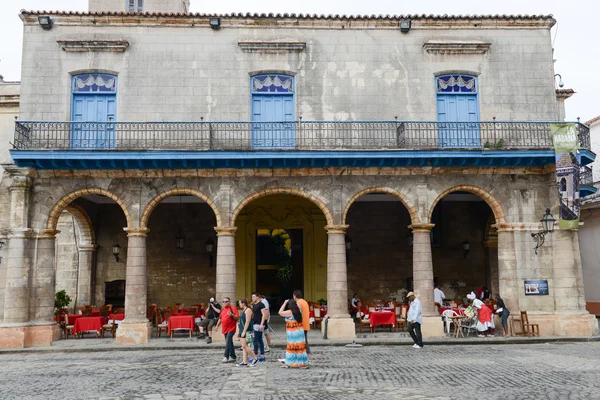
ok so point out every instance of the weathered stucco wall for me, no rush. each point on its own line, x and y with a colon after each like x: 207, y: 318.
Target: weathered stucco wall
x: 179, y: 73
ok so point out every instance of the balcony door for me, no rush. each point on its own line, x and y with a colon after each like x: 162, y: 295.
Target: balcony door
x: 458, y: 112
x: 273, y: 112
x: 93, y: 111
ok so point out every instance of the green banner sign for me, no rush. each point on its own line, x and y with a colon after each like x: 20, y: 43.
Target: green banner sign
x: 566, y: 144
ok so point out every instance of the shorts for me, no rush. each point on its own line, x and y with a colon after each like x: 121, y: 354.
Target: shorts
x: 207, y: 323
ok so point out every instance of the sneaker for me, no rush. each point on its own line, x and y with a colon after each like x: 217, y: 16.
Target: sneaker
x: 250, y: 359
x: 480, y: 335
x: 224, y: 360
x: 253, y: 363
x: 261, y: 358
x: 415, y: 346
x: 232, y: 359
x: 209, y: 340
x: 281, y: 360
x: 242, y: 365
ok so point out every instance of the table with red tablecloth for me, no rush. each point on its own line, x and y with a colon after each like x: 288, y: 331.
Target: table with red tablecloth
x: 72, y: 318
x: 85, y: 324
x: 382, y: 318
x: 177, y: 322
x: 311, y: 314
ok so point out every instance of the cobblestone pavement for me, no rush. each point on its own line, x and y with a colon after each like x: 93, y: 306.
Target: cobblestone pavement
x: 535, y: 371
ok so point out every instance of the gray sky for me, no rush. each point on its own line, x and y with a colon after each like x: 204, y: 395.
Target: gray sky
x: 577, y: 48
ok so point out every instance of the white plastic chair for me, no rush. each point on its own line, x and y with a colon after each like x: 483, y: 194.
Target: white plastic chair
x: 447, y: 320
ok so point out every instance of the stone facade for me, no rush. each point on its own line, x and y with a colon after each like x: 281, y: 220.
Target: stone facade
x: 344, y: 70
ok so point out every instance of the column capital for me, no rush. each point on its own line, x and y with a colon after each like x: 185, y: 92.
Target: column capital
x: 47, y: 234
x: 136, y: 231
x: 336, y: 229
x: 88, y: 247
x: 17, y: 233
x: 225, y: 230
x: 426, y: 228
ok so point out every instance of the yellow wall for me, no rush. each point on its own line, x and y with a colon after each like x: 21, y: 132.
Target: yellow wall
x: 282, y: 212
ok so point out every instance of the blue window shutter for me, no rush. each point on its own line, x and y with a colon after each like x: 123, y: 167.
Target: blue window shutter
x: 288, y: 109
x: 441, y: 108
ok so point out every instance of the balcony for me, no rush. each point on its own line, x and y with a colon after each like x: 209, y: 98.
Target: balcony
x: 123, y: 145
x: 586, y: 181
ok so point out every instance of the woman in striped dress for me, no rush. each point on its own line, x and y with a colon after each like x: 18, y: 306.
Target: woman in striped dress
x: 295, y: 352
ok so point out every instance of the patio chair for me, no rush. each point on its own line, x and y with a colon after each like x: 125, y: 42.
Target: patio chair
x: 529, y: 329
x: 104, y: 312
x: 111, y: 326
x: 401, y: 312
x: 446, y: 317
x: 364, y: 319
x: 163, y: 326
x: 119, y: 311
x: 318, y: 319
x: 67, y: 327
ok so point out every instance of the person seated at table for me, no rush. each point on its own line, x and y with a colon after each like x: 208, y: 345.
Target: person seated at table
x: 484, y: 316
x: 355, y: 305
x: 212, y: 316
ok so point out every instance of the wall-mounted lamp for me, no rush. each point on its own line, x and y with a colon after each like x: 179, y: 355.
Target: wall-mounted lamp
x: 45, y: 21
x: 405, y: 25
x: 179, y: 240
x: 1, y: 245
x: 466, y: 248
x: 560, y: 81
x: 547, y: 227
x: 116, y: 250
x: 210, y: 248
x: 348, y: 247
x: 215, y: 22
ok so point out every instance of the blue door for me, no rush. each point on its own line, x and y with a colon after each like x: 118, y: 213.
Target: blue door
x: 273, y: 121
x: 461, y: 110
x: 93, y: 108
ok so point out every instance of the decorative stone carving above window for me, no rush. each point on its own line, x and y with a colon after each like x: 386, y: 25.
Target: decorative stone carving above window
x: 93, y: 45
x: 456, y: 47
x: 272, y: 47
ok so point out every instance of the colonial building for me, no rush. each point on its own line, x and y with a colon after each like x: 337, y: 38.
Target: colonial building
x: 385, y: 152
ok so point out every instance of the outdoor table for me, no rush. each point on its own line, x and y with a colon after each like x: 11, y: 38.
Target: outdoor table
x: 457, y: 319
x: 88, y: 324
x: 116, y: 317
x: 180, y: 322
x: 72, y: 318
x: 382, y: 318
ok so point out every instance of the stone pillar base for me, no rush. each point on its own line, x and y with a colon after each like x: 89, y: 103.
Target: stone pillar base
x: 133, y: 333
x: 20, y: 337
x: 339, y: 328
x: 432, y: 327
x: 564, y: 324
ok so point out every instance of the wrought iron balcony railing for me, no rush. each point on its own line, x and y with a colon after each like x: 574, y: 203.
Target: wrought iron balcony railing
x: 585, y: 176
x: 285, y: 136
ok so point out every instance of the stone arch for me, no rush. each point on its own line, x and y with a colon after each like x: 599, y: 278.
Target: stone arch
x: 84, y: 222
x: 412, y: 210
x: 174, y: 192
x: 485, y: 195
x: 66, y: 200
x: 295, y: 192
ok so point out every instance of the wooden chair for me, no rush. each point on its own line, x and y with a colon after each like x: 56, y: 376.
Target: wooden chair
x: 68, y: 327
x: 151, y: 314
x: 529, y: 329
x: 86, y: 312
x: 119, y: 311
x: 105, y: 312
x: 318, y: 318
x: 112, y: 327
x: 163, y: 325
x: 401, y: 316
x: 80, y: 310
x: 110, y: 307
x: 366, y: 310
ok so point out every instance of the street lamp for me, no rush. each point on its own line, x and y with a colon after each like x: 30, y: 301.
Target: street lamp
x: 116, y: 250
x: 560, y: 81
x: 547, y: 227
x: 466, y: 248
x: 348, y: 241
x: 210, y: 245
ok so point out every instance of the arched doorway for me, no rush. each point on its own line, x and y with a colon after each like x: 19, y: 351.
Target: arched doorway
x: 281, y: 245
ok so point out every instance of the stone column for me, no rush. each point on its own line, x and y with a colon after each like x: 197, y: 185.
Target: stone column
x: 84, y: 276
x: 423, y: 279
x: 135, y: 328
x: 339, y: 325
x: 44, y: 276
x: 226, y: 267
x: 491, y: 253
x: 508, y: 285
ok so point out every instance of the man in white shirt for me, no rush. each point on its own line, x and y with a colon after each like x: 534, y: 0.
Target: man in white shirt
x: 438, y: 295
x: 415, y: 319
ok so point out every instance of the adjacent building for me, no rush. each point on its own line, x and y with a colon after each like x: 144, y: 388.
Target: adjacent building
x: 162, y: 156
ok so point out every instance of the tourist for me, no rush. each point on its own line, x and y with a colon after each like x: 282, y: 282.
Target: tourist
x: 295, y: 351
x: 478, y: 292
x: 504, y: 313
x: 415, y: 320
x: 259, y: 319
x: 212, y: 316
x: 245, y: 334
x: 229, y: 315
x: 484, y: 316
x: 304, y: 309
x: 438, y: 295
x: 267, y: 334
x: 355, y: 305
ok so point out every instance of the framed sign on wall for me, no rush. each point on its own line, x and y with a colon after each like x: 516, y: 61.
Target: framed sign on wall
x: 536, y: 287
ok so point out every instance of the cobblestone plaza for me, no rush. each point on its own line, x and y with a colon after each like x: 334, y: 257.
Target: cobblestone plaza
x: 533, y: 371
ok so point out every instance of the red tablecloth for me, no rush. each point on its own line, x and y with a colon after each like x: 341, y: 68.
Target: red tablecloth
x: 85, y: 324
x: 181, y: 322
x: 95, y: 313
x: 72, y: 318
x: 382, y: 318
x: 312, y: 313
x: 117, y: 317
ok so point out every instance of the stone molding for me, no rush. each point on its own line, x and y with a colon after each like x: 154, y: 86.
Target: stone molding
x: 132, y: 232
x: 456, y: 47
x: 174, y: 192
x: 421, y: 228
x: 519, y: 227
x: 336, y: 229
x: 21, y: 233
x: 88, y: 247
x: 226, y: 230
x: 272, y: 47
x: 48, y: 233
x: 118, y: 46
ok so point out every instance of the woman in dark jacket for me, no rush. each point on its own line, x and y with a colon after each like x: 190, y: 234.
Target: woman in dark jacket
x: 504, y: 313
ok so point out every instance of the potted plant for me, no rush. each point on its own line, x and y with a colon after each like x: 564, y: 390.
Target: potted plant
x: 322, y: 302
x: 61, y: 300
